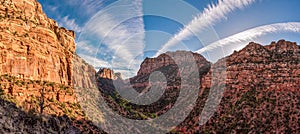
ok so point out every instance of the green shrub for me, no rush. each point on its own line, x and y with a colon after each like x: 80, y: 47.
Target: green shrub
x: 14, y: 33
x: 18, y: 83
x: 63, y: 105
x: 38, y: 82
x: 51, y: 99
x: 26, y: 35
x: 30, y: 82
x: 6, y: 15
x: 23, y: 82
x: 153, y: 115
x: 51, y: 84
x: 63, y: 87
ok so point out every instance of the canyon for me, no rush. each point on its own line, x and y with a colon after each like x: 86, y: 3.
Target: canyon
x: 46, y: 87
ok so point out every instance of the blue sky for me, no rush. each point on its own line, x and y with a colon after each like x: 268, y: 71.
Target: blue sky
x: 120, y: 34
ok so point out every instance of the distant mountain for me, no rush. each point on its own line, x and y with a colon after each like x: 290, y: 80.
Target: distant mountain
x: 261, y: 94
x: 261, y: 91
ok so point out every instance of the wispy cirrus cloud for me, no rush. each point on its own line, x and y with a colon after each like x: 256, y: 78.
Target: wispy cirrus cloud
x: 84, y: 46
x: 211, y: 15
x: 70, y: 24
x: 88, y: 7
x: 117, y: 30
x: 73, y: 14
x: 241, y: 39
x: 95, y: 61
x: 51, y: 8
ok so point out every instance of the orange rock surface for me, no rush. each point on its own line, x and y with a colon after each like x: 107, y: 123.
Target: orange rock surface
x: 32, y: 46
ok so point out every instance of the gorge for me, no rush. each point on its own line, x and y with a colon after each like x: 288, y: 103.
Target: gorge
x: 47, y: 88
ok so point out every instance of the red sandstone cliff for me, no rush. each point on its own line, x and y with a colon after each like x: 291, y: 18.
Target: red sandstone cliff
x: 106, y: 73
x: 261, y: 94
x: 33, y: 49
x: 32, y: 46
x: 84, y: 75
x: 38, y: 65
x: 150, y: 64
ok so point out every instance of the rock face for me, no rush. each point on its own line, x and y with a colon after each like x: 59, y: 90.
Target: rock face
x: 38, y: 64
x: 84, y: 75
x: 34, y: 51
x: 32, y: 46
x: 39, y: 72
x: 261, y: 91
x: 167, y: 60
x: 150, y: 64
x: 106, y: 73
x: 272, y: 67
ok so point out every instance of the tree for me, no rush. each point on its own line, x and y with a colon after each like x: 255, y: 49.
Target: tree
x: 11, y: 86
x: 42, y: 99
x: 1, y: 90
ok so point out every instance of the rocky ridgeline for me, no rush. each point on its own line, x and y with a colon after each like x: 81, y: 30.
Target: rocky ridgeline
x: 150, y: 64
x: 272, y: 67
x: 183, y: 58
x: 261, y: 93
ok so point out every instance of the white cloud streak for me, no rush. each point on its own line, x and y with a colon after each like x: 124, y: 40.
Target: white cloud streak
x: 83, y: 46
x: 211, y: 15
x: 51, y: 8
x: 70, y: 24
x: 120, y: 28
x: 89, y: 7
x: 92, y: 6
x: 94, y: 61
x: 83, y: 7
x: 243, y: 38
